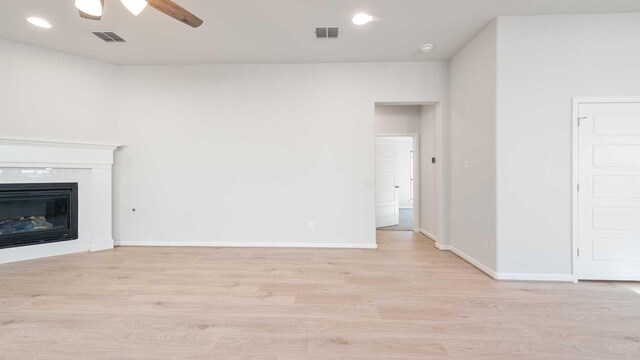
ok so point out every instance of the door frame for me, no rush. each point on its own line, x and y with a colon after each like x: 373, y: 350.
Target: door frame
x: 442, y: 155
x: 577, y: 101
x: 416, y: 173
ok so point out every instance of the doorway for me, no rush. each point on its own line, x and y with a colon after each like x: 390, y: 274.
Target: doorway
x: 421, y: 122
x: 395, y: 182
x: 606, y: 211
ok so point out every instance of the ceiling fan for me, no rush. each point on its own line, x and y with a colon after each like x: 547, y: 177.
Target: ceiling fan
x: 92, y: 9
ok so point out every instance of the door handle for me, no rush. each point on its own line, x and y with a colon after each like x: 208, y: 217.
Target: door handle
x: 397, y: 187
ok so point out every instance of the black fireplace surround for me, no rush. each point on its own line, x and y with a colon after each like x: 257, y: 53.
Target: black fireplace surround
x: 32, y: 214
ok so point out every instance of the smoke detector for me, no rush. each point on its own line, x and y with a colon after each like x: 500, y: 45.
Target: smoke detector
x: 426, y: 48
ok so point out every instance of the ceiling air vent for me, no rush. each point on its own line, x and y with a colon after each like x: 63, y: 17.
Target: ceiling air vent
x: 327, y: 32
x: 108, y: 36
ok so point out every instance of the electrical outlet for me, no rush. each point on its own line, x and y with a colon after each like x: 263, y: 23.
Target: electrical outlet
x: 465, y: 165
x: 485, y: 243
x: 312, y: 226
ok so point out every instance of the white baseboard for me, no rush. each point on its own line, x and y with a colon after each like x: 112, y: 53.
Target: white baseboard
x: 101, y: 245
x: 505, y: 276
x: 485, y: 269
x: 428, y: 234
x: 467, y: 258
x: 534, y: 277
x: 248, y: 244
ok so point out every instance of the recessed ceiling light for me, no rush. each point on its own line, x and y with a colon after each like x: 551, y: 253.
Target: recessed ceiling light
x: 362, y: 19
x: 426, y: 48
x: 39, y: 22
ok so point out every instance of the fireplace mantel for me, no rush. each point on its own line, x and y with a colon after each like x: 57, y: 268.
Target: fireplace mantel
x: 16, y: 152
x: 91, y: 162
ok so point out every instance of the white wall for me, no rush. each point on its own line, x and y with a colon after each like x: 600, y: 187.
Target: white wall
x: 544, y: 61
x: 221, y: 154
x: 428, y: 171
x: 47, y: 94
x: 397, y: 119
x: 473, y: 120
x: 250, y: 154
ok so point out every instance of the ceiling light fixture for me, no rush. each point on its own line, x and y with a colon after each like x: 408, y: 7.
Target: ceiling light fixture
x: 134, y: 6
x: 362, y: 19
x: 426, y: 48
x: 39, y: 22
x: 91, y: 7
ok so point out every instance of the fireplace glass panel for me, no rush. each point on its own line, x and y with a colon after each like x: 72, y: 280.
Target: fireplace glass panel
x: 47, y: 212
x: 38, y: 213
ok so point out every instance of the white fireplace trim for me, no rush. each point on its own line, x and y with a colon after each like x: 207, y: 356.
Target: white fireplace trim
x: 36, y: 153
x: 16, y: 152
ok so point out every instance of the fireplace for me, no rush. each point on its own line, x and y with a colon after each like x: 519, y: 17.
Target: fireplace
x: 32, y: 214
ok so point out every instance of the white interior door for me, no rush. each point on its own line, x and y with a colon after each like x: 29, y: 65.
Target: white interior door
x: 387, y: 200
x: 609, y: 191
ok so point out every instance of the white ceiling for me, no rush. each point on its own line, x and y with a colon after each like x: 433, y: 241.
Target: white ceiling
x: 277, y: 31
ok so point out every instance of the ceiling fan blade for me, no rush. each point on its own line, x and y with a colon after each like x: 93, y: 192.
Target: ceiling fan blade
x: 176, y: 11
x: 84, y: 15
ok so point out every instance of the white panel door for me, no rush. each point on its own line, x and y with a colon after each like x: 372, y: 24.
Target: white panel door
x: 387, y: 199
x: 609, y: 193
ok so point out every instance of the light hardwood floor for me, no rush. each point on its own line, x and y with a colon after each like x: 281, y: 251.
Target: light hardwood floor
x: 405, y: 301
